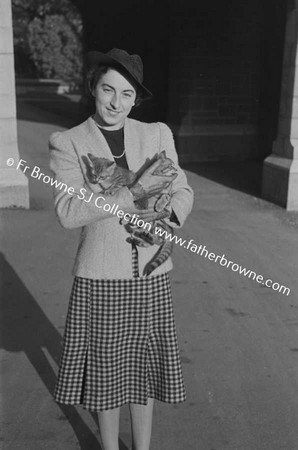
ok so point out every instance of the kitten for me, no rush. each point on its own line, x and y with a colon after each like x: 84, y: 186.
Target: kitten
x: 107, y: 174
x: 111, y: 177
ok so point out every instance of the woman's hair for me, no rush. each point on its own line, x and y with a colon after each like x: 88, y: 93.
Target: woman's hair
x: 94, y: 74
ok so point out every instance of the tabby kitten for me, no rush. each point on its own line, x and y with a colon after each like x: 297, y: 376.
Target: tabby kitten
x: 110, y: 178
x: 107, y: 174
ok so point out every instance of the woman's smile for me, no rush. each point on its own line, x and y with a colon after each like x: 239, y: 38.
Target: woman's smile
x: 114, y: 98
x: 113, y: 112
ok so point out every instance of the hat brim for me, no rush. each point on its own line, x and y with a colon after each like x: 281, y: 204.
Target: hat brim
x: 95, y: 58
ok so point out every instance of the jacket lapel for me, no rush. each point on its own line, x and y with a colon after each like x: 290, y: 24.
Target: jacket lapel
x: 94, y: 142
x: 132, y: 145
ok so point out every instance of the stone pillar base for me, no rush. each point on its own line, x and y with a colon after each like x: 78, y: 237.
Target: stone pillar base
x: 14, y: 192
x: 280, y: 181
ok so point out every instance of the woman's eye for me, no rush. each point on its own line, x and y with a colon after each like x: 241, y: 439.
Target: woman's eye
x: 127, y: 95
x: 107, y: 90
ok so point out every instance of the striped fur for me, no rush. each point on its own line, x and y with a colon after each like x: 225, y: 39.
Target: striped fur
x: 111, y: 178
x: 159, y: 258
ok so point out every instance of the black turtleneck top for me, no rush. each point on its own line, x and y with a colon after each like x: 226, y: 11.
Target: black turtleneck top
x: 115, y: 140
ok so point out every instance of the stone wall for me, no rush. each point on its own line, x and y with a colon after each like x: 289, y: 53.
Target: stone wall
x: 216, y: 76
x: 13, y: 183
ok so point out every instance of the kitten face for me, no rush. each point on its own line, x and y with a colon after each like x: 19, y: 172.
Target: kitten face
x: 100, y: 169
x: 105, y: 171
x: 166, y: 166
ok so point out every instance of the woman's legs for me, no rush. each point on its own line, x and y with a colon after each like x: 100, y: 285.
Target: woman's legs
x: 141, y: 424
x: 109, y: 428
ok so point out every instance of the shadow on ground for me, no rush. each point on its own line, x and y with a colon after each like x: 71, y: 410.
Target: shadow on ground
x: 61, y: 110
x: 25, y: 328
x: 244, y: 176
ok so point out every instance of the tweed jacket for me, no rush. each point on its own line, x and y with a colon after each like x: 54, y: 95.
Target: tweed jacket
x: 103, y: 251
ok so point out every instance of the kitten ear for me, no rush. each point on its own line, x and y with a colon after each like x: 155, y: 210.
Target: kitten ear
x: 110, y: 163
x: 91, y: 157
x: 162, y: 154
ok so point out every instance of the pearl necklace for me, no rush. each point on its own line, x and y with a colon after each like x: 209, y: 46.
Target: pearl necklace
x: 120, y: 156
x: 114, y: 156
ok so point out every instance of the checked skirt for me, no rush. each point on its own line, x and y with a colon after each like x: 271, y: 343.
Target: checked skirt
x: 120, y: 344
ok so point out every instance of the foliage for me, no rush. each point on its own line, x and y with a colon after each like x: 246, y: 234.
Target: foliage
x: 55, y: 49
x: 47, y: 39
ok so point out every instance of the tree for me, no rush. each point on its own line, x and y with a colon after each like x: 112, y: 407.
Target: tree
x: 47, y: 39
x: 55, y: 48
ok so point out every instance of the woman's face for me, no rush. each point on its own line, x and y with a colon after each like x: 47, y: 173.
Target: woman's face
x: 114, y: 98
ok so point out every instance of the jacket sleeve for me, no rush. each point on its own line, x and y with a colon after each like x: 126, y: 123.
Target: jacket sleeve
x: 182, y: 194
x: 71, y: 198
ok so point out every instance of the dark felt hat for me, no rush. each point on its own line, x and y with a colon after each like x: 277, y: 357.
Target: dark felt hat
x: 130, y: 64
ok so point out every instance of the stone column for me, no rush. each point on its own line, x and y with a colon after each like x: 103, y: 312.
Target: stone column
x: 280, y: 169
x: 13, y: 183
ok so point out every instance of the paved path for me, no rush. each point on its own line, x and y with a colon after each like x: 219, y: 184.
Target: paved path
x: 238, y: 339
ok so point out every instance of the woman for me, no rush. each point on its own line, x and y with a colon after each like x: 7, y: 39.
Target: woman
x: 120, y: 343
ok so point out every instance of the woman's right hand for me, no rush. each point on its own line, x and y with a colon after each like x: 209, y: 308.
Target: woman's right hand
x: 150, y: 184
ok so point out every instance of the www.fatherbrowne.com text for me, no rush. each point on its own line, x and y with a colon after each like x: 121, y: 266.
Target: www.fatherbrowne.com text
x: 201, y: 250
x: 113, y: 209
